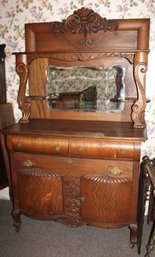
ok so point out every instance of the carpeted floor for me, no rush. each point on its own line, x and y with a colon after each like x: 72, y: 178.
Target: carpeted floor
x: 51, y: 239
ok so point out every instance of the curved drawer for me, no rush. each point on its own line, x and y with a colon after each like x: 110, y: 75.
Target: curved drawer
x: 100, y: 148
x: 37, y: 144
x: 74, y: 167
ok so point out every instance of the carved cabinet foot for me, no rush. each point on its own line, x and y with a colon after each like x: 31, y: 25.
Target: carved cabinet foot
x: 17, y: 220
x: 133, y: 235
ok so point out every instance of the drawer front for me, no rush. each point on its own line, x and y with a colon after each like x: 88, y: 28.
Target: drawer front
x: 100, y: 148
x: 74, y: 167
x: 68, y: 146
x: 38, y: 144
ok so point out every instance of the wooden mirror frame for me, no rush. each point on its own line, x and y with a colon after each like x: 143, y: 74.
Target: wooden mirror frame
x: 83, y: 38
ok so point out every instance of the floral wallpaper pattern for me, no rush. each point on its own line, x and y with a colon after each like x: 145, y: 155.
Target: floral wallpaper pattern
x: 15, y: 13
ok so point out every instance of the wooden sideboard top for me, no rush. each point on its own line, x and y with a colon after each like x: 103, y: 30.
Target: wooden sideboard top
x: 94, y: 129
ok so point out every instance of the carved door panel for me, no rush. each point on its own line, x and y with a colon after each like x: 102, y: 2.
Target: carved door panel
x: 39, y: 192
x: 106, y: 200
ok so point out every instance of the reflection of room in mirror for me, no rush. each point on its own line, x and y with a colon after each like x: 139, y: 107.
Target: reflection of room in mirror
x: 119, y: 82
x: 86, y: 88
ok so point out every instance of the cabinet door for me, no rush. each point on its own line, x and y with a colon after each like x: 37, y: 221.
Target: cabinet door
x: 39, y: 192
x: 106, y: 198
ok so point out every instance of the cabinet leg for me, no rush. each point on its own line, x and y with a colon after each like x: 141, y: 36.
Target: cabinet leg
x: 133, y: 235
x: 17, y: 220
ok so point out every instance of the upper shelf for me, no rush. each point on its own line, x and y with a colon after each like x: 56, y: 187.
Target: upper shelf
x: 84, y: 39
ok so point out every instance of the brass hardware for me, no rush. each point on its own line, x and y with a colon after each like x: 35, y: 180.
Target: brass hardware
x: 122, y: 151
x: 80, y: 148
x: 115, y: 171
x: 58, y: 148
x: 69, y: 160
x: 28, y: 163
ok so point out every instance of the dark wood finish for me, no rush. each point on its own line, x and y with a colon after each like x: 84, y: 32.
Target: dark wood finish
x: 2, y: 75
x: 3, y: 177
x: 150, y: 169
x: 6, y: 120
x: 6, y: 115
x: 79, y: 167
x: 143, y: 193
x: 147, y: 182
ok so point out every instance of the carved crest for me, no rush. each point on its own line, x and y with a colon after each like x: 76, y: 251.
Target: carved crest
x: 84, y: 21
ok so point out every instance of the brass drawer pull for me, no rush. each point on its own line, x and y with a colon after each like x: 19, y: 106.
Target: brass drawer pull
x: 28, y: 163
x: 69, y: 160
x: 122, y: 151
x: 115, y: 171
x: 81, y: 148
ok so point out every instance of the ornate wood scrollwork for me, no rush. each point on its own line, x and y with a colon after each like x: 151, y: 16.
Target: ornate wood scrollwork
x: 84, y: 21
x: 91, y: 56
x: 139, y: 106
x: 71, y: 192
x: 23, y: 102
x: 107, y: 178
x: 37, y: 172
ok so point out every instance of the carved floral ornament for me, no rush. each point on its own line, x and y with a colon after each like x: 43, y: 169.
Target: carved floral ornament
x: 84, y: 21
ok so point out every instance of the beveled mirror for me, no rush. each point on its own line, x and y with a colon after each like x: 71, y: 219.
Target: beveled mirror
x: 86, y: 88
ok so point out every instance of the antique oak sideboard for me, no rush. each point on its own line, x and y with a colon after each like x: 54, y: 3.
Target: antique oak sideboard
x: 75, y: 153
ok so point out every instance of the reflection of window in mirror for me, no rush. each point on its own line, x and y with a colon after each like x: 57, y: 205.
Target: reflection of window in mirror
x: 86, y: 88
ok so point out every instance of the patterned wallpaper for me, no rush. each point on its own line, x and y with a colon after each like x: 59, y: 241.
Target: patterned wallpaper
x: 15, y: 13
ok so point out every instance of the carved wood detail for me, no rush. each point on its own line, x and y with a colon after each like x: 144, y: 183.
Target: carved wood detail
x: 107, y: 178
x: 83, y: 56
x: 88, y: 42
x: 24, y: 104
x: 84, y: 21
x: 92, y: 56
x: 71, y: 196
x: 139, y: 106
x: 36, y: 172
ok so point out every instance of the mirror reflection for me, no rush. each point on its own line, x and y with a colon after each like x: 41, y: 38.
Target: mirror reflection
x: 86, y: 88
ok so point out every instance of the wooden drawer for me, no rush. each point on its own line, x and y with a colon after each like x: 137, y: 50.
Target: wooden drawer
x: 100, y: 148
x: 78, y: 147
x: 73, y: 167
x: 38, y: 144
